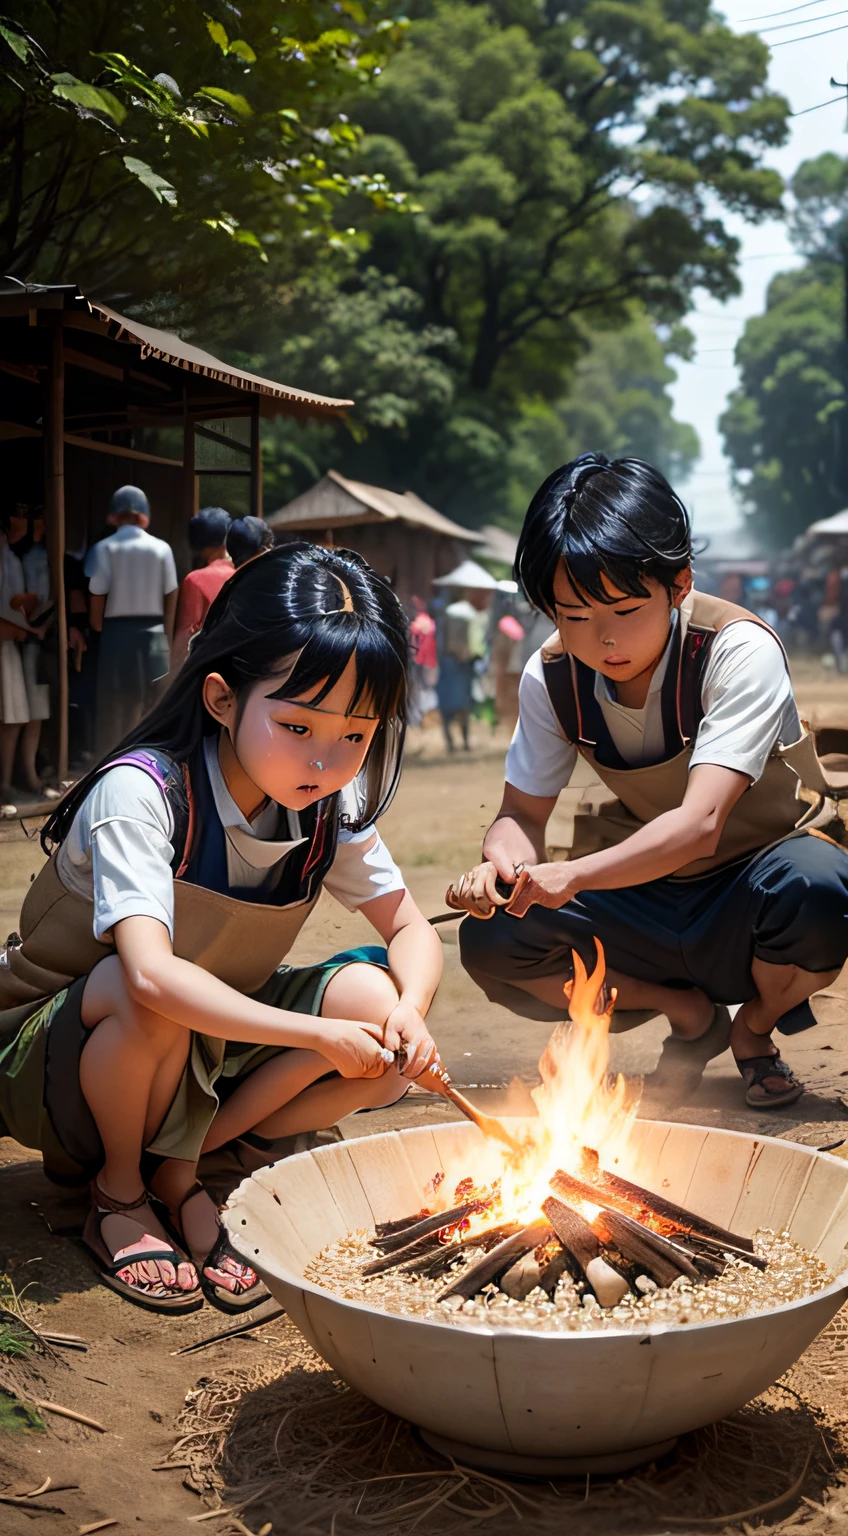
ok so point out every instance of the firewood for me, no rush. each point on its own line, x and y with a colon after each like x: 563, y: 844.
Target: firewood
x: 522, y: 1277
x: 657, y: 1205
x: 645, y: 1250
x: 619, y: 1195
x: 553, y: 1271
x: 442, y: 1219
x: 391, y: 1228
x: 424, y: 1248
x: 494, y: 1264
x: 577, y: 1236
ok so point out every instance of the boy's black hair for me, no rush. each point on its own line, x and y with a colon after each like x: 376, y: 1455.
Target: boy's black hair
x: 620, y: 521
x: 299, y: 614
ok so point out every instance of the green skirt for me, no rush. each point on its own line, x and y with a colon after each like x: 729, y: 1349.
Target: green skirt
x: 42, y: 1104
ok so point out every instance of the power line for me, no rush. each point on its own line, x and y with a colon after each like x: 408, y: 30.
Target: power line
x: 821, y: 104
x: 809, y: 37
x: 787, y: 12
x: 785, y: 27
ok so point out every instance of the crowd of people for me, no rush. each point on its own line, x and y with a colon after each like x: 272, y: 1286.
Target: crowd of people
x: 129, y: 623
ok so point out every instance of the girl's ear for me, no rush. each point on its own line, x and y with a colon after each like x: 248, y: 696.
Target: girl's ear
x: 681, y: 586
x: 219, y: 699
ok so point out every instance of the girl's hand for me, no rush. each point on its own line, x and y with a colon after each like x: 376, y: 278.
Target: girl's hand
x: 407, y: 1034
x: 354, y: 1049
x: 542, y: 885
x: 476, y: 892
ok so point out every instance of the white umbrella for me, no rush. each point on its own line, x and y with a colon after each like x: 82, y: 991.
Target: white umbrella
x: 469, y: 575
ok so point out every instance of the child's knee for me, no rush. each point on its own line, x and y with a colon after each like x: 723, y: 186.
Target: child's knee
x: 360, y: 991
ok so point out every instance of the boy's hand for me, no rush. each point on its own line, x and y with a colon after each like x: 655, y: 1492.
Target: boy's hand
x: 542, y: 885
x: 477, y: 891
x: 354, y: 1049
x: 407, y: 1034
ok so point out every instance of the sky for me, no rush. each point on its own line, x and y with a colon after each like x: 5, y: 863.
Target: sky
x: 801, y: 71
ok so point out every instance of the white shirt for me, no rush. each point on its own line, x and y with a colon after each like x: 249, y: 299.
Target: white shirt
x: 136, y: 570
x: 118, y: 852
x: 748, y: 708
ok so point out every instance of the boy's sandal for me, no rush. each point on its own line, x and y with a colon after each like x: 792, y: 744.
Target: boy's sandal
x: 245, y: 1289
x: 756, y: 1069
x: 124, y: 1271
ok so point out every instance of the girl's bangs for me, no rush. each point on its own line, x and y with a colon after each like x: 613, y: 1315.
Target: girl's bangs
x: 380, y: 671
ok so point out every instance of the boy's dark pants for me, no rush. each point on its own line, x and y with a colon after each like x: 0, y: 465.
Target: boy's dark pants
x: 787, y: 906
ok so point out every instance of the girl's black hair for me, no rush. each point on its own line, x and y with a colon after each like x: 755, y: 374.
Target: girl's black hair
x: 298, y: 611
x: 620, y: 521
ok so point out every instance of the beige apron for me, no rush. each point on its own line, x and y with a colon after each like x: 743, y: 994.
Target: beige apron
x: 240, y: 942
x: 792, y: 796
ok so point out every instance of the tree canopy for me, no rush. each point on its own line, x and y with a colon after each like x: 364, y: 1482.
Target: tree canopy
x: 783, y: 425
x: 162, y: 146
x: 567, y: 164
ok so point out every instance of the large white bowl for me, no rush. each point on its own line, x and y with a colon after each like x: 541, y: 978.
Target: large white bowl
x: 546, y: 1403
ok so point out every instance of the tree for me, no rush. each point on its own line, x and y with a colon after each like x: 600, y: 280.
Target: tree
x: 783, y: 424
x: 570, y: 157
x: 153, y: 148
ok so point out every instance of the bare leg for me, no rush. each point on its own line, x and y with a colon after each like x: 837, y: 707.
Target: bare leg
x: 688, y: 1010
x: 779, y: 988
x: 30, y: 737
x: 8, y: 745
x: 130, y: 1068
x: 446, y: 725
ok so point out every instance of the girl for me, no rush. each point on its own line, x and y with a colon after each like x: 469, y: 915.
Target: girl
x: 182, y: 869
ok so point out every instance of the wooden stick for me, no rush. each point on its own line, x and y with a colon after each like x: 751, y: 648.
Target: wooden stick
x: 69, y: 1413
x: 438, y: 1081
x: 577, y: 1236
x: 619, y: 1195
x: 493, y: 1264
x: 553, y: 1272
x: 646, y: 1250
x: 449, y: 1252
x: 424, y: 1248
x: 232, y: 1333
x: 394, y: 1242
x: 391, y: 1228
x: 657, y: 1205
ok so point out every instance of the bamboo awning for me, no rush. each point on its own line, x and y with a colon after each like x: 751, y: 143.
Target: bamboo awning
x: 336, y: 502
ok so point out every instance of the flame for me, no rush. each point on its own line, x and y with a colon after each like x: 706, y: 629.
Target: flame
x: 585, y: 1114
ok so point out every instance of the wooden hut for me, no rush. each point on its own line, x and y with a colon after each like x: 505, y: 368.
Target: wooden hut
x: 403, y: 538
x: 90, y: 399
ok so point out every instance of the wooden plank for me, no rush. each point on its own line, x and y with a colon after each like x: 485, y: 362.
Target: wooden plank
x: 93, y: 364
x: 575, y: 1400
x: 822, y: 1195
x: 337, y: 1170
x: 302, y: 1192
x: 719, y: 1175
x: 386, y: 1175
x: 426, y: 1162
x: 75, y: 440
x: 256, y: 502
x: 774, y: 1184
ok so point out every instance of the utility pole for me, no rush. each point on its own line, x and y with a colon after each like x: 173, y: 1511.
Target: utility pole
x: 842, y: 460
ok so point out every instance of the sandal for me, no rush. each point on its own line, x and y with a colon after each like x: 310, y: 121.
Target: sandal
x: 756, y: 1069
x: 132, y: 1270
x: 245, y: 1289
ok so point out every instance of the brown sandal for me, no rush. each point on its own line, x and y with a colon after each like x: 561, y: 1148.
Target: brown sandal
x: 116, y: 1269
x: 222, y: 1258
x: 756, y: 1069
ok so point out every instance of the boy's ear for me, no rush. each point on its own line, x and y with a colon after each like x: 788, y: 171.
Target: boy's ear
x: 681, y: 586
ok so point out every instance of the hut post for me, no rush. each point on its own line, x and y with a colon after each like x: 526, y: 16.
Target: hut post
x: 256, y: 501
x: 189, y: 476
x: 54, y: 518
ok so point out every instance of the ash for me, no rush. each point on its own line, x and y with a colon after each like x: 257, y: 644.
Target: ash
x: 792, y: 1273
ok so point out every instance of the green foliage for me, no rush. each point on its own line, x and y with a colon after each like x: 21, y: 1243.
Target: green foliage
x: 17, y: 1417
x: 568, y: 157
x: 137, y: 137
x: 784, y: 423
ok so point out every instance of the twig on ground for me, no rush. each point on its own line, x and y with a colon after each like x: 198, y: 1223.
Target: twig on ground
x: 69, y: 1413
x: 231, y: 1333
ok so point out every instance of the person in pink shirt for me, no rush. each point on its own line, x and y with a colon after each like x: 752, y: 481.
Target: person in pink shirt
x: 207, y: 537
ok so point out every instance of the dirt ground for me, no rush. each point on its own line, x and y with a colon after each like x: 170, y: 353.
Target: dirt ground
x: 130, y: 1378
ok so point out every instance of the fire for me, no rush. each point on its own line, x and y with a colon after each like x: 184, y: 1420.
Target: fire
x: 585, y: 1114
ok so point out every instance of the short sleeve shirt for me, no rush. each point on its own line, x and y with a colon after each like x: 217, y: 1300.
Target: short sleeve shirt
x: 748, y: 708
x: 134, y: 571
x: 198, y: 591
x: 118, y: 852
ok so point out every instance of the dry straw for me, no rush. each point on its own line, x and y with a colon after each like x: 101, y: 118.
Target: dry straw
x: 284, y: 1441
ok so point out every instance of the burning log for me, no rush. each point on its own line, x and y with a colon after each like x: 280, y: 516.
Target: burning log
x: 646, y: 1251
x: 495, y: 1263
x: 424, y: 1248
x: 639, y: 1204
x: 393, y: 1242
x: 391, y: 1228
x: 577, y: 1236
x: 552, y: 1272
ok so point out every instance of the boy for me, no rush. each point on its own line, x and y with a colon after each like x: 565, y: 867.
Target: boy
x: 700, y: 874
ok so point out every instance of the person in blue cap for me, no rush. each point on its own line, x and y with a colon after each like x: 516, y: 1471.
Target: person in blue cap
x: 133, y: 586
